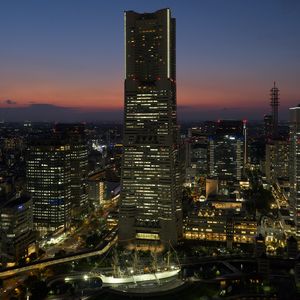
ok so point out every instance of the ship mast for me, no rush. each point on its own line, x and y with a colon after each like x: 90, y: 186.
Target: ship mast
x: 115, y: 264
x: 168, y: 259
x: 178, y: 262
x: 154, y: 261
x: 135, y: 262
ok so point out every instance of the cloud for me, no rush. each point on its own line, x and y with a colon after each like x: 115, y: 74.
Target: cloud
x: 10, y: 102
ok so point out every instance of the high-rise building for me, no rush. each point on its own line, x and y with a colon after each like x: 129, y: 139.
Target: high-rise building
x: 197, y: 161
x: 150, y: 210
x: 277, y: 159
x: 48, y: 173
x: 198, y: 155
x: 74, y: 134
x: 294, y: 167
x: 274, y: 102
x: 227, y: 149
x: 268, y: 127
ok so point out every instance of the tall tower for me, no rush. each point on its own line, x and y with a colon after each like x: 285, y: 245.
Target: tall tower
x: 274, y: 93
x: 150, y: 209
x: 294, y: 167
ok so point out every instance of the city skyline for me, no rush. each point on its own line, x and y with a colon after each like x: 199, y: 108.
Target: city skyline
x: 74, y: 66
x: 149, y: 205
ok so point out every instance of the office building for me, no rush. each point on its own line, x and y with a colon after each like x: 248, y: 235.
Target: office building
x: 268, y: 127
x: 277, y: 159
x: 274, y: 102
x: 197, y: 161
x: 48, y: 173
x: 227, y: 149
x: 74, y: 134
x: 16, y: 227
x: 150, y: 211
x: 294, y: 167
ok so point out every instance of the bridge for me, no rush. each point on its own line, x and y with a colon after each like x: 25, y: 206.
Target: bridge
x: 54, y: 261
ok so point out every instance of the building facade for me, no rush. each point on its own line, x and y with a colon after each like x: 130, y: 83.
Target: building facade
x: 16, y: 228
x: 150, y: 208
x: 48, y: 173
x: 277, y: 159
x: 294, y: 167
x: 74, y: 134
x: 227, y: 150
x: 218, y: 225
x: 197, y: 161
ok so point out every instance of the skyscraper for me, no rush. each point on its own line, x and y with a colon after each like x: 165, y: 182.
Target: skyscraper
x: 74, y: 134
x: 48, y: 173
x: 277, y: 159
x: 227, y: 148
x: 274, y: 101
x: 294, y: 166
x: 150, y: 206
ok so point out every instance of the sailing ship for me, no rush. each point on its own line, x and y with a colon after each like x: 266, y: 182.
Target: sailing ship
x: 137, y: 274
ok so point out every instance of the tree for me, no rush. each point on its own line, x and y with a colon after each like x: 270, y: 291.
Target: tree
x: 60, y: 253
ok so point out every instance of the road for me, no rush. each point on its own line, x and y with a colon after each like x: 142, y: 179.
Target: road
x: 43, y: 264
x: 73, y: 242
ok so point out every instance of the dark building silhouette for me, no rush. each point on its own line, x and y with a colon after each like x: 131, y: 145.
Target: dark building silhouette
x: 227, y: 150
x: 74, y: 134
x: 292, y: 247
x: 268, y: 126
x: 274, y: 102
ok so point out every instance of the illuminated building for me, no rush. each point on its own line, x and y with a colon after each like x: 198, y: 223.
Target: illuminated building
x: 150, y: 209
x: 74, y: 134
x: 227, y: 149
x: 295, y: 166
x: 49, y: 182
x: 218, y: 225
x: 96, y: 192
x: 198, y: 154
x: 277, y: 159
x: 211, y: 186
x: 103, y: 187
x: 112, y: 220
x: 197, y: 158
x: 16, y: 228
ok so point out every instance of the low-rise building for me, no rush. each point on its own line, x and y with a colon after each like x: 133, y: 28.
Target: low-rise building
x: 220, y: 226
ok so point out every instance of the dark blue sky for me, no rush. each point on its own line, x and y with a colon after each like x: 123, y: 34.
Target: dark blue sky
x: 229, y: 52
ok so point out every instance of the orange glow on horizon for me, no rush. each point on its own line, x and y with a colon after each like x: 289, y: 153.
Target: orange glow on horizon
x: 110, y: 96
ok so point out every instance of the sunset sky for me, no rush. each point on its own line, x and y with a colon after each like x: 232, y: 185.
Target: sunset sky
x: 69, y: 53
